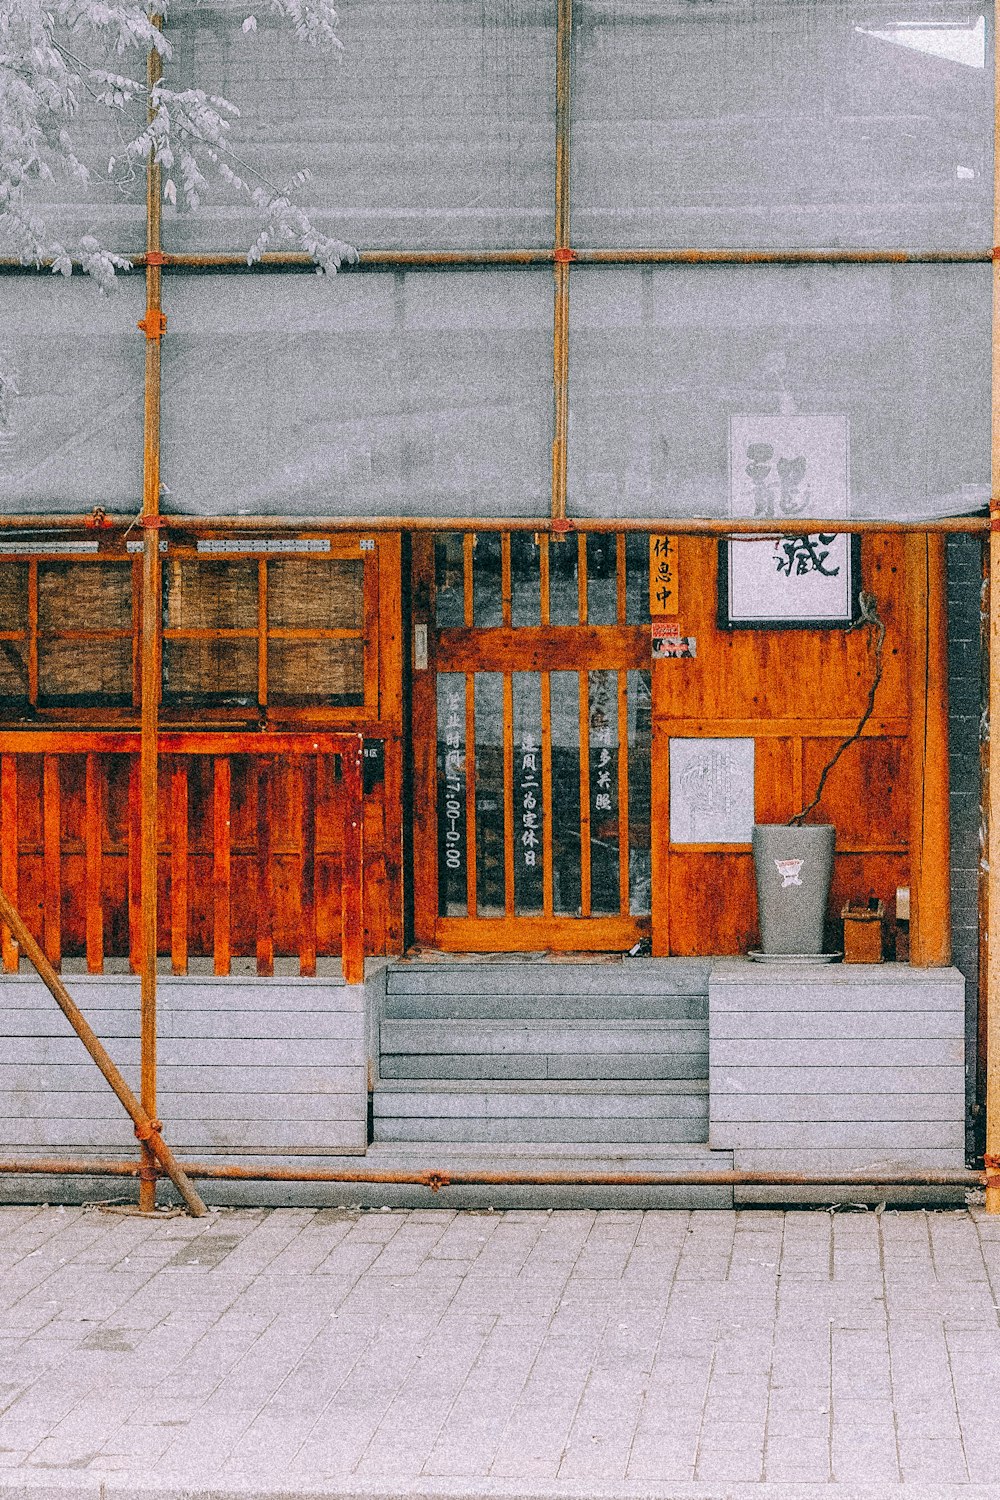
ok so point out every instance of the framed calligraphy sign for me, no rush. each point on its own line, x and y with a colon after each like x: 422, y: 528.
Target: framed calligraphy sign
x: 789, y: 465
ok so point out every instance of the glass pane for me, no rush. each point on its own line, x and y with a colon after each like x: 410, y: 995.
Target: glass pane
x: 602, y: 579
x: 110, y: 204
x: 872, y: 382
x: 432, y: 128
x: 449, y: 579
x: 782, y: 123
x: 529, y: 814
x: 71, y: 395
x: 209, y: 595
x: 222, y: 674
x: 490, y: 885
x: 640, y: 742
x: 564, y: 584
x: 375, y: 394
x: 304, y: 672
x: 487, y: 600
x: 316, y: 594
x: 605, y: 896
x: 636, y: 579
x: 525, y: 579
x: 452, y: 852
x: 565, y: 688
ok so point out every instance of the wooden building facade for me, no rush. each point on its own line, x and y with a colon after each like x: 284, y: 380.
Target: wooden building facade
x: 438, y: 560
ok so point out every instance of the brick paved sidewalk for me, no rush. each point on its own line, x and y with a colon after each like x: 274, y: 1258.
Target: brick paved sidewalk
x: 514, y: 1354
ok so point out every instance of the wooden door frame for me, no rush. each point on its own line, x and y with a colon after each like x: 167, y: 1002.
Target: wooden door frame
x: 529, y: 649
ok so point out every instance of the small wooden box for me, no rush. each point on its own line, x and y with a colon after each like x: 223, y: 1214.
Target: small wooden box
x: 864, y: 928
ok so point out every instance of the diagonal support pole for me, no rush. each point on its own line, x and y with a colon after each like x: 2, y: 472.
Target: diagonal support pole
x: 147, y: 1130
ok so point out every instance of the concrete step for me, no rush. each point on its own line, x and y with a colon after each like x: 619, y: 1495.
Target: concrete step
x: 539, y: 972
x: 535, y: 1065
x: 537, y: 1004
x: 601, y: 1113
x: 551, y: 1038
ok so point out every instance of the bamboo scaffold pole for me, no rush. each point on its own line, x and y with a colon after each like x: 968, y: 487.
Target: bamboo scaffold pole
x: 435, y: 1179
x: 990, y: 992
x: 35, y: 528
x: 147, y: 1127
x: 226, y: 261
x: 561, y: 257
x: 153, y: 325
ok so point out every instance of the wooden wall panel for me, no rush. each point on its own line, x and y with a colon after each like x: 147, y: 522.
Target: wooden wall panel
x: 867, y: 794
x: 713, y: 905
x: 798, y: 694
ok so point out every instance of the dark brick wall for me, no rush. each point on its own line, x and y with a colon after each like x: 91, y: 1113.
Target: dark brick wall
x: 964, y: 582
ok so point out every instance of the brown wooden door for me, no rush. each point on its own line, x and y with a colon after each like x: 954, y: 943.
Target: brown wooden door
x: 532, y: 734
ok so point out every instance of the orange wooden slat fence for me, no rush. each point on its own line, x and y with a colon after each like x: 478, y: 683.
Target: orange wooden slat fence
x: 69, y: 847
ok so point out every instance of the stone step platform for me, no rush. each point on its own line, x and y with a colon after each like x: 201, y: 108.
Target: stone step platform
x: 598, y: 1112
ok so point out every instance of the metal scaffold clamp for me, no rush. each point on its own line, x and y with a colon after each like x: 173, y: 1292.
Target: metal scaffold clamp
x: 154, y: 324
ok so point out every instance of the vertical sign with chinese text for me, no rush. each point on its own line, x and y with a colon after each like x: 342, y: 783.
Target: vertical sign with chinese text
x: 663, y: 591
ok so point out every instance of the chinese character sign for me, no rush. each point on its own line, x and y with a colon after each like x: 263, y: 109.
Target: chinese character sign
x: 529, y: 805
x: 788, y: 467
x: 664, y: 598
x: 452, y: 793
x: 603, y: 729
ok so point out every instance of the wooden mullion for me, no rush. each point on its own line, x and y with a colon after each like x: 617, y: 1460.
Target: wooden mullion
x: 372, y: 654
x: 621, y: 578
x: 508, y: 792
x: 8, y: 853
x: 307, y: 864
x: 293, y: 633
x: 33, y: 632
x: 262, y: 634
x: 581, y: 576
x: 624, y: 833
x: 543, y: 578
x: 265, y: 869
x: 506, y: 585
x: 471, y: 894
x: 547, y: 881
x: 584, y: 720
x: 93, y: 846
x: 179, y: 868
x: 221, y: 889
x: 51, y: 860
x: 468, y: 596
x: 210, y: 633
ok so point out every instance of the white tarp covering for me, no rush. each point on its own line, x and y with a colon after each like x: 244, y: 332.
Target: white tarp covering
x: 783, y: 123
x: 71, y: 394
x: 869, y: 385
x: 428, y: 393
x: 434, y: 127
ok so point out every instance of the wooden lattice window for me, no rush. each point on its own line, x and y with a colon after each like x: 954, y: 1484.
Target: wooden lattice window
x: 285, y: 631
x: 67, y: 634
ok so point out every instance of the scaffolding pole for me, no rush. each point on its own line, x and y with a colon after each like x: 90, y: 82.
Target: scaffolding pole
x: 153, y: 325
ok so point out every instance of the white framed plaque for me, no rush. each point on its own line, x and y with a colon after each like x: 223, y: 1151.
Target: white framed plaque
x: 711, y: 791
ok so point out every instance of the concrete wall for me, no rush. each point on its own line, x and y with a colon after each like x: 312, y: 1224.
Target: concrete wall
x: 248, y: 1068
x: 841, y: 1068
